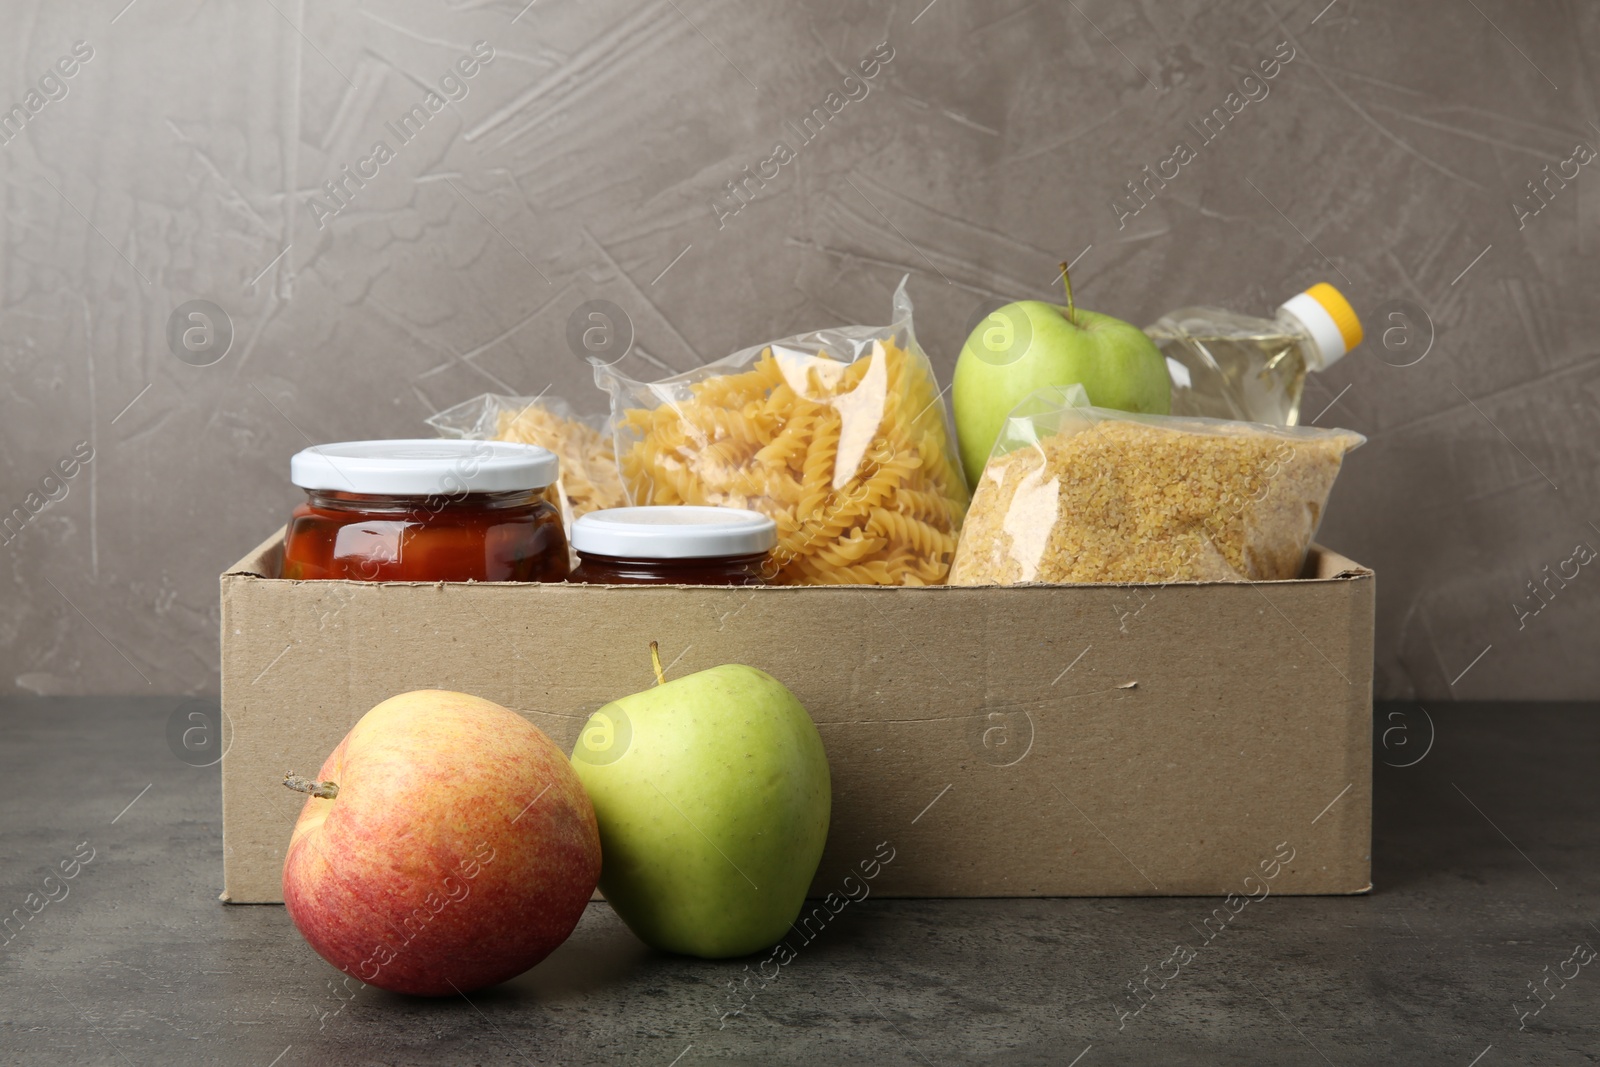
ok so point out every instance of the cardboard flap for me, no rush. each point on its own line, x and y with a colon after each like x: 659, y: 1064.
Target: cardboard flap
x: 263, y: 561
x: 1324, y: 563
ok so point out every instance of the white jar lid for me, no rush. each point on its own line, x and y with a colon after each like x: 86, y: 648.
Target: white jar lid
x: 674, y: 531
x: 423, y: 467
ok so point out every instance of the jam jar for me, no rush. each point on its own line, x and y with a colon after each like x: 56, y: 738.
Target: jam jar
x: 673, y: 544
x: 425, y: 511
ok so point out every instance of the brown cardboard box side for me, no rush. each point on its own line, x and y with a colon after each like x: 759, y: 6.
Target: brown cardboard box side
x: 1020, y: 741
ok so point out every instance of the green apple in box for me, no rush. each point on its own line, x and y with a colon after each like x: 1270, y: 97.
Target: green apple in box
x: 1030, y: 345
x: 712, y: 795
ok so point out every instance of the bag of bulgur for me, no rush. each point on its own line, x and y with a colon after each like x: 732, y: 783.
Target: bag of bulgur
x: 1073, y: 493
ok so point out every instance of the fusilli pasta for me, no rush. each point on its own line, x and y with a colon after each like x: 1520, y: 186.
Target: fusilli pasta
x: 853, y: 460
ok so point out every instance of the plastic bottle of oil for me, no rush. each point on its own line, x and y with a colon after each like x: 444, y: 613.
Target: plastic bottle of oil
x: 1225, y: 365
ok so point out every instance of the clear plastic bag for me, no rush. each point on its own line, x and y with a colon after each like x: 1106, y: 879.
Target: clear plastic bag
x: 1074, y: 493
x: 840, y: 435
x: 587, y: 479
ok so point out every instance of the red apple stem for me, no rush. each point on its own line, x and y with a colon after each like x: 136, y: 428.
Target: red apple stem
x: 655, y: 662
x: 1072, y: 311
x: 301, y: 784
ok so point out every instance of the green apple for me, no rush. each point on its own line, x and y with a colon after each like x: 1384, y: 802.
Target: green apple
x: 1031, y: 344
x: 712, y: 795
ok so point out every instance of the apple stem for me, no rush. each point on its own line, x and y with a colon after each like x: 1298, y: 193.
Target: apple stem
x: 655, y: 661
x: 1072, y: 311
x: 301, y: 784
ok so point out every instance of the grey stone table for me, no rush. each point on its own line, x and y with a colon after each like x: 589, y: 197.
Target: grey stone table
x: 1485, y: 862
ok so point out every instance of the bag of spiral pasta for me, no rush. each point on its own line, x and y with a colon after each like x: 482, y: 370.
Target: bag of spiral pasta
x: 840, y: 435
x: 587, y: 479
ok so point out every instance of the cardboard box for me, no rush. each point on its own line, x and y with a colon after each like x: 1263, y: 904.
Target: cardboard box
x: 1023, y: 741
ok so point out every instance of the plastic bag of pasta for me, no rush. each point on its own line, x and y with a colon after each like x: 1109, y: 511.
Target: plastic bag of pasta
x: 1073, y: 493
x: 587, y: 479
x: 840, y: 435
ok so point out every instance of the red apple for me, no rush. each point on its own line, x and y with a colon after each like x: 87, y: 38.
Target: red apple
x: 447, y: 845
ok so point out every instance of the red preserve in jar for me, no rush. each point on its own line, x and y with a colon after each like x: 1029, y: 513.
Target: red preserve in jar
x: 425, y: 511
x: 673, y: 544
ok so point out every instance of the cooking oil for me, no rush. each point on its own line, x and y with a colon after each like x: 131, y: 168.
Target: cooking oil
x: 1227, y: 365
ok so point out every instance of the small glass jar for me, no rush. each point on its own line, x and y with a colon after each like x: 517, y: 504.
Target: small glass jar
x: 673, y: 545
x: 425, y: 511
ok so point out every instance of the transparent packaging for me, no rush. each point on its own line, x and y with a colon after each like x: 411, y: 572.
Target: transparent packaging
x: 1073, y: 493
x: 839, y: 435
x: 589, y: 480
x: 1225, y: 365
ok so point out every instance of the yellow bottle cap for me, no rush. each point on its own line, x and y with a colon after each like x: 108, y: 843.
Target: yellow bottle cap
x: 1329, y: 319
x: 1339, y: 309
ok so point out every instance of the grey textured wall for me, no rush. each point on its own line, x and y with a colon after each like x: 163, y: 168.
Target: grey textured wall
x: 185, y: 160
